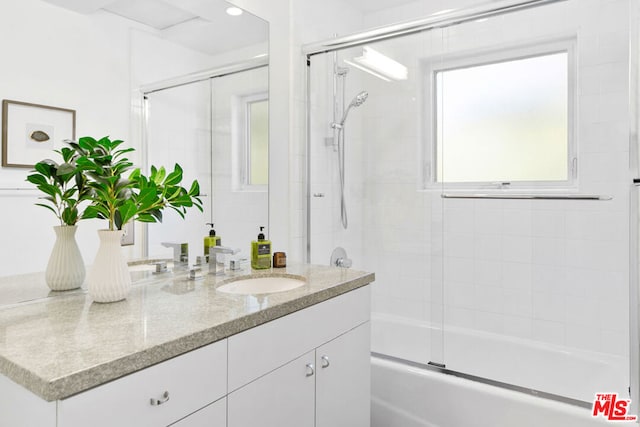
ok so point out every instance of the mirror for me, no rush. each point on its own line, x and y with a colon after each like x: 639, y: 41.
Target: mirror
x: 214, y: 123
x: 217, y: 130
x: 94, y: 57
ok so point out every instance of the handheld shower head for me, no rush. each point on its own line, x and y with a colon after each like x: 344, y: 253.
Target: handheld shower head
x: 357, y: 101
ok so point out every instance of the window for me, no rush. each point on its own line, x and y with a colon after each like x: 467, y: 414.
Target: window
x: 251, y: 151
x: 257, y: 142
x: 503, y: 119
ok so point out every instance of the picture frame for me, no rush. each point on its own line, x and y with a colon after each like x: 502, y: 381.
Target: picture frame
x: 31, y: 131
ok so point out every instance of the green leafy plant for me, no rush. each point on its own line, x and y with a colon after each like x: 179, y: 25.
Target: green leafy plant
x: 63, y: 183
x: 121, y: 199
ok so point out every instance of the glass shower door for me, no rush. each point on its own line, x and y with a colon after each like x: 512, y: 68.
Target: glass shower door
x: 394, y: 222
x: 526, y: 280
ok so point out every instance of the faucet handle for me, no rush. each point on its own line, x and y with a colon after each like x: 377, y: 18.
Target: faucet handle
x: 180, y: 250
x: 195, y: 273
x: 223, y: 250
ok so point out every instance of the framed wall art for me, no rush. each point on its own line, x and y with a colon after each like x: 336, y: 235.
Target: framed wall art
x: 31, y: 131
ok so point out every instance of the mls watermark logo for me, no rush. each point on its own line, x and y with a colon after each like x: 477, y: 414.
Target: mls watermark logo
x: 611, y: 408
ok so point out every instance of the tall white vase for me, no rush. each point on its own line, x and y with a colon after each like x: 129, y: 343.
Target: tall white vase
x: 65, y: 269
x: 109, y: 279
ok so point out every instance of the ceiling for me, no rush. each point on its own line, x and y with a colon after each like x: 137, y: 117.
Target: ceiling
x: 202, y: 25
x: 368, y: 6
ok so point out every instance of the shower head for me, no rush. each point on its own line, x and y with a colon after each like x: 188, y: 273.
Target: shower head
x: 357, y: 101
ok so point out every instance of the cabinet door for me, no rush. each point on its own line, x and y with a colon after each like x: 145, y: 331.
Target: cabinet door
x: 214, y: 415
x: 281, y: 398
x: 343, y: 380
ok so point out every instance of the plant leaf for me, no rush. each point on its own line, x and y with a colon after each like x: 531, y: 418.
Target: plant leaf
x: 37, y: 179
x: 127, y: 211
x: 195, y: 188
x: 174, y: 177
x: 65, y: 169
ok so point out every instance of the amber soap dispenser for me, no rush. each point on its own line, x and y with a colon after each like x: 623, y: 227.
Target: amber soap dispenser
x: 261, y: 252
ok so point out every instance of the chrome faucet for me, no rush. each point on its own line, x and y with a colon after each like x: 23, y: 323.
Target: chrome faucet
x: 216, y: 261
x: 180, y: 251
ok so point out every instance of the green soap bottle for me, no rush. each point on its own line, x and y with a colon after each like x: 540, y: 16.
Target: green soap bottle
x: 211, y: 240
x: 261, y: 252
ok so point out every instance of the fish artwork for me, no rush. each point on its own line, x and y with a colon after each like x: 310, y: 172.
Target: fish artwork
x: 39, y: 136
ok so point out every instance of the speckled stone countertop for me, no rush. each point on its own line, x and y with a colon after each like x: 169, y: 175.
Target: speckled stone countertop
x: 57, y: 344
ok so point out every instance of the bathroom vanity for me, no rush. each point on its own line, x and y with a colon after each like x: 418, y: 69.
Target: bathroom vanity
x: 180, y: 352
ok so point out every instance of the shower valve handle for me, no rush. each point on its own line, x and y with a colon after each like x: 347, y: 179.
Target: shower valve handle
x: 344, y: 262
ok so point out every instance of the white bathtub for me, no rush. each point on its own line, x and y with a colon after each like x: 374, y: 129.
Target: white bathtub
x: 403, y: 396
x: 573, y: 373
x: 406, y: 396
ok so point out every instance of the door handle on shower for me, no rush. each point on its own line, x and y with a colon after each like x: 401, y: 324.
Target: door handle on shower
x: 318, y: 195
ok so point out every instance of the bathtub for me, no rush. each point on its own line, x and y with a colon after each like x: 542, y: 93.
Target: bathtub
x: 405, y: 395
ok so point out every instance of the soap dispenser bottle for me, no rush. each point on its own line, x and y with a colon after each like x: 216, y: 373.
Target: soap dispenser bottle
x: 211, y: 240
x: 261, y: 252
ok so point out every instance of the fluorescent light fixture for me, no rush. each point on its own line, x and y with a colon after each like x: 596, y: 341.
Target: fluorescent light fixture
x: 234, y: 11
x: 379, y: 65
x: 443, y: 11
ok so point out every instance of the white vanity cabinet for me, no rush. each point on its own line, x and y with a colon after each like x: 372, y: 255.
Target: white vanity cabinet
x: 156, y: 396
x: 310, y: 368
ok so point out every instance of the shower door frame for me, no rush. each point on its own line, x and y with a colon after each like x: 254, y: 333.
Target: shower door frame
x: 441, y: 21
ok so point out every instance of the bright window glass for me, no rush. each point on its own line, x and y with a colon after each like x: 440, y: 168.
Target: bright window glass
x: 505, y: 121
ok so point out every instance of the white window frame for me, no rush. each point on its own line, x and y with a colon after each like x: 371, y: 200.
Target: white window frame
x: 434, y: 65
x: 241, y: 158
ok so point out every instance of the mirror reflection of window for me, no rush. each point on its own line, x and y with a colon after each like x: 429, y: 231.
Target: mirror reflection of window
x: 258, y: 142
x: 251, y: 142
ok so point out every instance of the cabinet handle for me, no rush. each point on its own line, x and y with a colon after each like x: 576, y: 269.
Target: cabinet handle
x: 163, y: 399
x: 325, y: 362
x: 310, y: 369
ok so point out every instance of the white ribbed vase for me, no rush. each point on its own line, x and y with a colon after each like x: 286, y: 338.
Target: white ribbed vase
x: 109, y: 279
x: 65, y: 269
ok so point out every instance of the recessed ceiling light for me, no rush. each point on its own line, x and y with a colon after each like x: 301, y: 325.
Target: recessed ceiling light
x: 234, y: 11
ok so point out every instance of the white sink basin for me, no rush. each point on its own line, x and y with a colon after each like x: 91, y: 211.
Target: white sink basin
x: 261, y: 285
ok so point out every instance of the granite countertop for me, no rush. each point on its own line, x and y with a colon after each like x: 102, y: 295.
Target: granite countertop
x: 57, y: 344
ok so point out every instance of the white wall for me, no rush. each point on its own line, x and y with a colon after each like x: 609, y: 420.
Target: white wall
x: 55, y: 57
